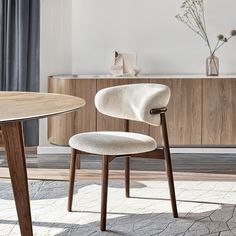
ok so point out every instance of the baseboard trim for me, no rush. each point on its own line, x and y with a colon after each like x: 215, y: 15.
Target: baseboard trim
x: 41, y: 150
x: 66, y: 150
x: 214, y: 150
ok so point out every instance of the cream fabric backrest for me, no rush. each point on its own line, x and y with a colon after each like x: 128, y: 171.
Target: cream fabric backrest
x: 133, y: 101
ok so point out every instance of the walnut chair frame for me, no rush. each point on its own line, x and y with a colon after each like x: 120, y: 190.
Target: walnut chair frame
x: 159, y: 153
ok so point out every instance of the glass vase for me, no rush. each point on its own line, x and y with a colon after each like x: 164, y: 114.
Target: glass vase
x: 212, y: 66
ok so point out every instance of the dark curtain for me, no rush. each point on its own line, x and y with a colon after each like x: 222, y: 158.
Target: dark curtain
x: 19, y: 53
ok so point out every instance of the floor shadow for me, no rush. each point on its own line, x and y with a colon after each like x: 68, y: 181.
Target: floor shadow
x: 41, y: 190
x: 222, y: 219
x: 163, y: 224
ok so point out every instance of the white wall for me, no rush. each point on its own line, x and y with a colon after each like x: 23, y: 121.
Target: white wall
x: 79, y: 36
x: 55, y: 46
x: 148, y: 27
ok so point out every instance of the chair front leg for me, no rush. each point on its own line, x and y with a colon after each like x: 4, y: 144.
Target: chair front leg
x: 168, y: 165
x: 72, y: 179
x: 105, y: 173
x: 127, y: 176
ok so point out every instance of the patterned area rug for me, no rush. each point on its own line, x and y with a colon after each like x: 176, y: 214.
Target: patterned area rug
x: 205, y: 208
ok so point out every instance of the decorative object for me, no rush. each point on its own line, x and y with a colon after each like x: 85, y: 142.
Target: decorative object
x: 125, y: 64
x: 212, y: 66
x: 194, y: 17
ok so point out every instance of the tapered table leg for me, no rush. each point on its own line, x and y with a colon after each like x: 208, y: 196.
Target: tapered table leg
x: 14, y: 145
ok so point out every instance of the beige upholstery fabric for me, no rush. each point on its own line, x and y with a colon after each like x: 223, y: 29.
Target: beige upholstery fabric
x: 133, y: 101
x: 112, y: 143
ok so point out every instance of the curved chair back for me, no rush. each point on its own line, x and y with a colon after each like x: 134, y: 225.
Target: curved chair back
x: 133, y: 101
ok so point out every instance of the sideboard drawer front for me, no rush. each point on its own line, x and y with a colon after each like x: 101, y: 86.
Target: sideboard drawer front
x: 62, y: 127
x: 219, y: 112
x: 184, y: 112
x: 201, y: 111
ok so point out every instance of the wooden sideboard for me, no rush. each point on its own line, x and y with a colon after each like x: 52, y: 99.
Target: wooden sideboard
x: 201, y: 112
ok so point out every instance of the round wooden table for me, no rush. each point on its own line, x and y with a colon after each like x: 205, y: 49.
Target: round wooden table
x: 16, y: 107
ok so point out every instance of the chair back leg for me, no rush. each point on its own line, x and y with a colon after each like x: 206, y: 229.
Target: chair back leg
x: 168, y: 165
x: 127, y: 176
x: 78, y: 161
x: 105, y: 173
x: 72, y: 179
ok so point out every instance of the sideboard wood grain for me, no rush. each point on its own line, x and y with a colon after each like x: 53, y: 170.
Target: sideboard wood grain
x: 219, y: 112
x: 184, y: 112
x: 201, y: 112
x: 62, y: 127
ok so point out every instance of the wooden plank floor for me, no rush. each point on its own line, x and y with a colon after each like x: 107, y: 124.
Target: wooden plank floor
x: 190, y: 166
x: 81, y: 175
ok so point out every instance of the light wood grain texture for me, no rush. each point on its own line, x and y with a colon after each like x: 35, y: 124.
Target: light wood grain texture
x: 85, y: 119
x: 105, y: 122
x: 62, y: 127
x: 13, y: 141
x: 94, y: 175
x: 219, y: 112
x: 184, y: 121
x: 25, y: 105
x: 184, y: 112
x: 188, y: 118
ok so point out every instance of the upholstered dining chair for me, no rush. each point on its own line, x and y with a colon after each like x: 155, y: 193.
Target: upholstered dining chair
x: 139, y: 102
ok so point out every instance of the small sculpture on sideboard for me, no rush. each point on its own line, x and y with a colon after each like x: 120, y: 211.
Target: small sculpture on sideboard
x: 124, y: 64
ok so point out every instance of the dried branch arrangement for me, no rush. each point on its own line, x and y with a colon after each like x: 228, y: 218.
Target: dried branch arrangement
x: 193, y: 17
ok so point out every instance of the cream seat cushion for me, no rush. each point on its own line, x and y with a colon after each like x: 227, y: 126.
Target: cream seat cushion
x: 112, y: 143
